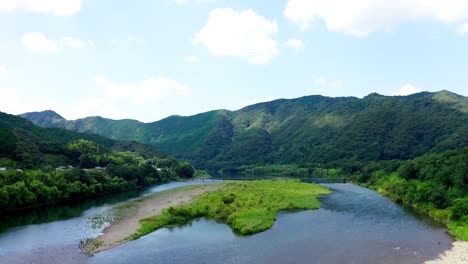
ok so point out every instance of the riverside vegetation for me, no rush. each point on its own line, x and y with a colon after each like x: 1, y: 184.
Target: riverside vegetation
x: 410, y: 148
x: 94, y: 165
x: 436, y: 184
x: 247, y: 207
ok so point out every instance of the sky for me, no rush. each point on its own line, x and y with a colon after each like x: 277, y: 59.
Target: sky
x: 149, y: 59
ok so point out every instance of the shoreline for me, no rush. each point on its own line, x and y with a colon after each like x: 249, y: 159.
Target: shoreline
x: 458, y: 254
x: 119, y: 231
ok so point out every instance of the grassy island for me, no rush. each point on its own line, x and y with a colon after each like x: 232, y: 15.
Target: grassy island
x: 247, y: 207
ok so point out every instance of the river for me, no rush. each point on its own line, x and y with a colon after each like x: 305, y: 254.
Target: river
x: 353, y: 225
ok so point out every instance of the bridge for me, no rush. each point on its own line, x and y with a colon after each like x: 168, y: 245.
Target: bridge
x: 311, y: 180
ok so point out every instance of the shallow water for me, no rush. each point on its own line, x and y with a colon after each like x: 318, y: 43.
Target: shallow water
x: 354, y: 225
x: 53, y: 235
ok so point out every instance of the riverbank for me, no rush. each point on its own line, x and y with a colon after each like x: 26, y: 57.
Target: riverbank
x: 458, y: 254
x: 247, y: 207
x: 130, y: 214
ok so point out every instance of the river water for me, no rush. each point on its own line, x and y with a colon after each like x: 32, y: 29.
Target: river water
x: 353, y: 225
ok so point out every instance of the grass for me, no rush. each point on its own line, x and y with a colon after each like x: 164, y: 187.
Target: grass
x: 247, y: 207
x: 201, y: 174
x: 459, y: 230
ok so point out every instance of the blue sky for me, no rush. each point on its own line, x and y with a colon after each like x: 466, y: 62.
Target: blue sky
x: 147, y: 59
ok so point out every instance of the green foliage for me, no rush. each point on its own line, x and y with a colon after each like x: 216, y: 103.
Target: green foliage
x: 312, y: 129
x: 434, y: 183
x: 248, y: 207
x: 184, y: 169
x: 201, y: 174
x: 100, y: 165
x: 375, y: 140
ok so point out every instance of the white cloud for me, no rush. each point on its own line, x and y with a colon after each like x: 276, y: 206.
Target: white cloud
x: 242, y: 34
x: 463, y: 29
x: 109, y: 99
x: 56, y: 7
x: 3, y: 71
x: 76, y: 43
x: 295, y: 44
x: 328, y: 83
x: 151, y: 90
x: 36, y: 41
x: 191, y: 59
x: 407, y: 89
x: 16, y: 102
x: 362, y: 17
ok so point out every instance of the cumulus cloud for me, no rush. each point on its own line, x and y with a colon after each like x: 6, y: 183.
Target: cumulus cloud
x: 243, y: 34
x: 407, y: 89
x: 122, y: 100
x: 151, y: 90
x: 56, y: 7
x: 16, y: 102
x: 3, y: 71
x: 362, y: 17
x: 36, y: 41
x: 295, y: 44
x: 76, y: 43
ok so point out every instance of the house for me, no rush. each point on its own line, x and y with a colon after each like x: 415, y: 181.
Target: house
x: 3, y: 168
x: 62, y: 168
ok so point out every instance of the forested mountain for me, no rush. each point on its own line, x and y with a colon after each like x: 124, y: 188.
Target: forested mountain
x: 308, y: 130
x: 47, y: 165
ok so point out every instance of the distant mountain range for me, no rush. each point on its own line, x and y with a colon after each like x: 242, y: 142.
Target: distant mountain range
x: 311, y: 130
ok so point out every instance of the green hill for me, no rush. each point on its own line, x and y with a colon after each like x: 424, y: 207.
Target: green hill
x: 47, y: 165
x: 308, y: 130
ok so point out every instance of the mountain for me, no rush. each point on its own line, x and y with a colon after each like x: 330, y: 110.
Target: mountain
x: 41, y: 166
x: 31, y: 146
x: 45, y: 118
x: 307, y: 130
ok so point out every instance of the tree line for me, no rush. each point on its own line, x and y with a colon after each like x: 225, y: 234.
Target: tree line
x: 436, y: 184
x: 93, y: 170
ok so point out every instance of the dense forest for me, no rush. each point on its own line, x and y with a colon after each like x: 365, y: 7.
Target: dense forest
x: 436, y: 184
x: 312, y: 129
x: 42, y: 166
x: 414, y: 149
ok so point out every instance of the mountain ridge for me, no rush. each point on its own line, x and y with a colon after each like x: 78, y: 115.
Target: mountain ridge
x: 309, y: 129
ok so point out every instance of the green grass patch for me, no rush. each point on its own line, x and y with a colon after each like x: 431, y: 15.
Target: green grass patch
x: 201, y: 174
x: 459, y: 230
x: 247, y: 207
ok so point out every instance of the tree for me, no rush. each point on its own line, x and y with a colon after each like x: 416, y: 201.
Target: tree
x: 185, y: 170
